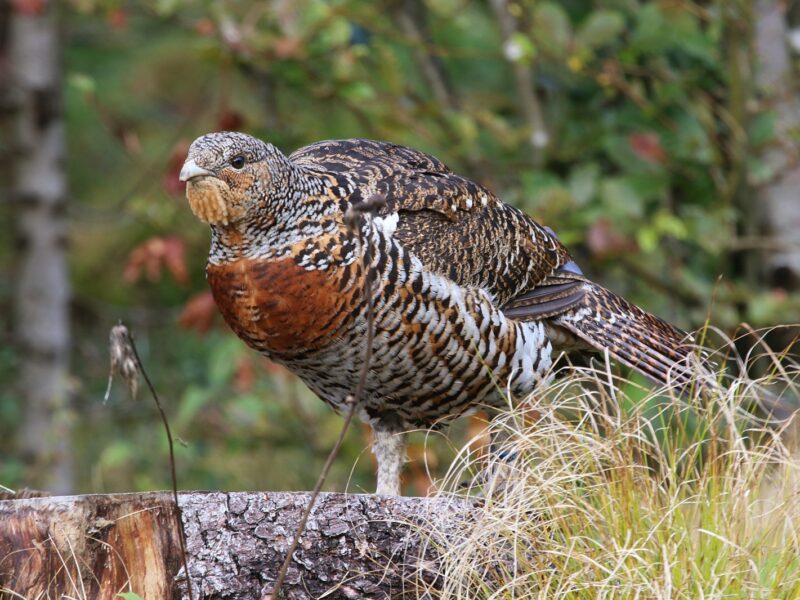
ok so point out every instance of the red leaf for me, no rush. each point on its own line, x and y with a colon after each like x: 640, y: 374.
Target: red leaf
x: 155, y: 253
x: 245, y: 375
x: 117, y: 19
x: 205, y: 27
x: 230, y: 120
x: 171, y: 180
x: 175, y: 259
x: 275, y: 370
x: 779, y: 294
x: 28, y: 7
x: 198, y: 312
x: 287, y: 47
x: 604, y: 240
x: 647, y: 146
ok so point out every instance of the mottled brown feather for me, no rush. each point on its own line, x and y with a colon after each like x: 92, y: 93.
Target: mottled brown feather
x: 492, y: 245
x: 296, y: 299
x: 455, y: 226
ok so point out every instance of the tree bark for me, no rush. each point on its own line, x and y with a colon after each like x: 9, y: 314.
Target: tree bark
x: 38, y: 188
x: 97, y: 546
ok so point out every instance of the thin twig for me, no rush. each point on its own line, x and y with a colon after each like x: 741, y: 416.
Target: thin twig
x: 539, y: 138
x: 352, y: 219
x: 128, y: 338
x: 320, y: 481
x: 413, y: 25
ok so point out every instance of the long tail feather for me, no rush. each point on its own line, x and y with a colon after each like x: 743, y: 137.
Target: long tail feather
x: 607, y: 322
x: 632, y: 336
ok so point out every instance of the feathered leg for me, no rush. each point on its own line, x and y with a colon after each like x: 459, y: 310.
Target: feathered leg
x: 498, y: 462
x: 389, y: 448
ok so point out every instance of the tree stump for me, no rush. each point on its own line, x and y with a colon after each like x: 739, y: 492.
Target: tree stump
x: 98, y: 546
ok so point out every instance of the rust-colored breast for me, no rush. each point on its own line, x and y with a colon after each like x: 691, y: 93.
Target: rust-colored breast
x: 280, y: 307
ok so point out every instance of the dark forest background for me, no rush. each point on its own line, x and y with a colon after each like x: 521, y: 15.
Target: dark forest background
x: 658, y: 138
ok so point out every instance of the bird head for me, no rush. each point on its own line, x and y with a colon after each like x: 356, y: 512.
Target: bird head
x: 230, y: 175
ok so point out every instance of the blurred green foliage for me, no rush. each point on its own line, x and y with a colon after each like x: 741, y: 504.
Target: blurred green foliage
x: 648, y: 175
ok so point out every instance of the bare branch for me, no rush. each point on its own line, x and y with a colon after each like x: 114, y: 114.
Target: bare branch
x: 539, y: 138
x: 125, y: 360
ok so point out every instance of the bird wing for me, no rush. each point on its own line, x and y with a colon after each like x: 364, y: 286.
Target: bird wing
x: 458, y: 228
x: 344, y: 155
x: 455, y: 226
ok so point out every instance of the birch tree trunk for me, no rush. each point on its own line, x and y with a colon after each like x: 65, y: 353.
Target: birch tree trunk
x: 780, y: 198
x: 41, y: 323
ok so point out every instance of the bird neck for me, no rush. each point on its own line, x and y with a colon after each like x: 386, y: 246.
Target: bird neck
x: 301, y: 205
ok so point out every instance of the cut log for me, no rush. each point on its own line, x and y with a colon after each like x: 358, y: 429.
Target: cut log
x: 98, y: 546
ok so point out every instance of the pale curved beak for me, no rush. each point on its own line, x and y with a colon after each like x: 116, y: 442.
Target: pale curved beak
x: 191, y: 170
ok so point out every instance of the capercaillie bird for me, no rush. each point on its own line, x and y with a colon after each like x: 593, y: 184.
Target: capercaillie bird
x: 471, y: 295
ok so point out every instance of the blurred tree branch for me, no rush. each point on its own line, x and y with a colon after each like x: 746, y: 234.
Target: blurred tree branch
x: 411, y: 14
x: 538, y: 136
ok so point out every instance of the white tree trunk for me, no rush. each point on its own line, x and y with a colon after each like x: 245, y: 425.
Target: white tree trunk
x: 780, y: 198
x: 41, y: 317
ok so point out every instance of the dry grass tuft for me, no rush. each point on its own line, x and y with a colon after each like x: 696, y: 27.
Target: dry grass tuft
x: 628, y: 493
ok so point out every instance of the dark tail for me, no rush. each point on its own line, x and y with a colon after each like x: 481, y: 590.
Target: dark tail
x: 653, y: 347
x: 634, y: 337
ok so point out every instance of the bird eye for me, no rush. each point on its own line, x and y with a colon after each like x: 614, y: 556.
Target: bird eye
x: 237, y: 162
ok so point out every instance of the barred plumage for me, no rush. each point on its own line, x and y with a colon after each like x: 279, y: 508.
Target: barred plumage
x: 472, y: 295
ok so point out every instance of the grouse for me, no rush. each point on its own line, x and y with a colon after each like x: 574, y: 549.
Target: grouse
x: 471, y: 297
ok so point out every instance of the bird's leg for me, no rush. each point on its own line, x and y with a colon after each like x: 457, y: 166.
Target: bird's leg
x: 498, y: 460
x: 501, y: 460
x: 390, y: 451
